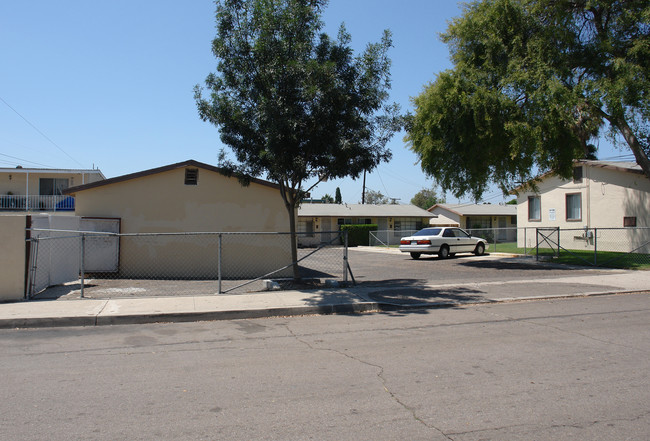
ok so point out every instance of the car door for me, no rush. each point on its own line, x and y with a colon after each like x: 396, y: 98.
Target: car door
x: 463, y: 243
x: 465, y: 240
x: 455, y: 245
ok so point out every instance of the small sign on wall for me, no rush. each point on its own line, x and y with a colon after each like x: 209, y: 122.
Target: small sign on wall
x: 551, y: 214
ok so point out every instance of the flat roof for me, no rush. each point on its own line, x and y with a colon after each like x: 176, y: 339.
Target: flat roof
x: 50, y: 170
x: 361, y: 210
x: 479, y: 209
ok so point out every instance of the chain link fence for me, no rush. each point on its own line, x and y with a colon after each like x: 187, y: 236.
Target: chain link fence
x: 198, y: 263
x: 604, y: 247
x: 503, y: 240
x: 388, y: 238
x: 607, y: 247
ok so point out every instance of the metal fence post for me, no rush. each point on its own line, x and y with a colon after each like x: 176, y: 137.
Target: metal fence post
x: 33, y: 260
x: 219, y: 263
x: 345, y: 256
x: 595, y: 246
x: 81, y: 262
x: 525, y: 241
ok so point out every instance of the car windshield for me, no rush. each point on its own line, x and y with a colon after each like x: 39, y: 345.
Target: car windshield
x: 428, y: 232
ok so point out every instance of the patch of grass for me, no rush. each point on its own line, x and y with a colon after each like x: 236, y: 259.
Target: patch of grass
x: 603, y: 259
x: 509, y: 247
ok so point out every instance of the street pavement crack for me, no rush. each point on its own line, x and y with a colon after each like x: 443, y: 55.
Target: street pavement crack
x: 380, y: 375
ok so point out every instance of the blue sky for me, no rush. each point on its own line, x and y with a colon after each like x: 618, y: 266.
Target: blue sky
x: 109, y: 84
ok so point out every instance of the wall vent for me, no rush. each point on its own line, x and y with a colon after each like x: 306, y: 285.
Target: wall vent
x: 191, y: 176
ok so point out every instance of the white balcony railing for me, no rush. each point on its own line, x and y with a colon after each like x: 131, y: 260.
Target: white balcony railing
x: 36, y: 203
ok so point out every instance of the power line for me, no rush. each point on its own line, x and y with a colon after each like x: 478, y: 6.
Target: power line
x: 23, y: 160
x: 42, y: 134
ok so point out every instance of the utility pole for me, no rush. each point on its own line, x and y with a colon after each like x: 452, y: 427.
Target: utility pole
x: 363, y: 192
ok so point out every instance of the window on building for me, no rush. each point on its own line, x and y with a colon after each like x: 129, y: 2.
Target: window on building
x: 574, y: 207
x: 344, y: 221
x: 478, y: 222
x: 407, y: 224
x: 577, y: 174
x: 629, y: 221
x: 309, y: 228
x: 52, y: 186
x: 534, y: 208
x: 191, y: 176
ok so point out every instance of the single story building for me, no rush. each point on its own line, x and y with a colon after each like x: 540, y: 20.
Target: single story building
x: 318, y: 223
x: 502, y: 218
x: 189, y: 197
x: 601, y: 194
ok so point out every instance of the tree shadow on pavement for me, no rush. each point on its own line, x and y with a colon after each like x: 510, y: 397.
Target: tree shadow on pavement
x: 410, y: 292
x: 507, y: 264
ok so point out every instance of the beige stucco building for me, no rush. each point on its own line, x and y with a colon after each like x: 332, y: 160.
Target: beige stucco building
x: 601, y: 194
x: 501, y: 218
x: 319, y: 223
x: 190, y: 197
x: 40, y: 189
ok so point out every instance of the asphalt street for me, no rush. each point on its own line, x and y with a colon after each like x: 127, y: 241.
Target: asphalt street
x: 543, y: 370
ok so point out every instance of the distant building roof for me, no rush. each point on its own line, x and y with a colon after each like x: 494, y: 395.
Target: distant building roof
x: 50, y: 170
x: 479, y: 209
x: 361, y: 210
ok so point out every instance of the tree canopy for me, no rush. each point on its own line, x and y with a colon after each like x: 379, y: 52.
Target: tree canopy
x: 293, y: 103
x: 427, y: 198
x: 534, y: 84
x: 375, y: 197
x: 327, y: 199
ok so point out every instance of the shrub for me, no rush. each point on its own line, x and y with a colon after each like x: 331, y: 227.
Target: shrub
x: 358, y: 234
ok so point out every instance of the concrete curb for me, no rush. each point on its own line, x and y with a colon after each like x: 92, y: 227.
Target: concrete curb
x: 102, y: 319
x: 179, y: 317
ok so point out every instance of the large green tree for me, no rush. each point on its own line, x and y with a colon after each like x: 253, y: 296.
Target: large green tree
x: 293, y: 103
x: 427, y: 198
x: 534, y: 84
x: 375, y: 197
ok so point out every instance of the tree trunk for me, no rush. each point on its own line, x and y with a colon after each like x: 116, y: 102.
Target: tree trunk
x: 290, y: 198
x: 632, y: 141
x: 291, y: 207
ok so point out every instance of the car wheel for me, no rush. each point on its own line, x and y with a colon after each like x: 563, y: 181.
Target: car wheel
x: 480, y: 249
x: 415, y: 255
x: 444, y: 252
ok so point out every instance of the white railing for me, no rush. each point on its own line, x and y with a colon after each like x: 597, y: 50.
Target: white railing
x: 36, y: 203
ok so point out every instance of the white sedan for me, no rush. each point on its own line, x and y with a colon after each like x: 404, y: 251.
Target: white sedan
x: 443, y: 241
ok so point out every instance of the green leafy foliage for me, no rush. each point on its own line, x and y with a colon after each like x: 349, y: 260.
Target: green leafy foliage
x: 327, y: 199
x: 337, y: 197
x: 427, y: 198
x: 358, y: 235
x: 533, y: 83
x: 291, y: 102
x: 373, y: 197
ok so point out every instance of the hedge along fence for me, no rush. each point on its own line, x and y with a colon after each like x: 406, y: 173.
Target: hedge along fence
x: 358, y: 234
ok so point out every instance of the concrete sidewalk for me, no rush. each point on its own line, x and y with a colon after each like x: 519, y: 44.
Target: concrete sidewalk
x: 358, y: 299
x: 92, y: 312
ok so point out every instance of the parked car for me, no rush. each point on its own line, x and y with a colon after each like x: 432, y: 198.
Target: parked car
x: 443, y: 241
